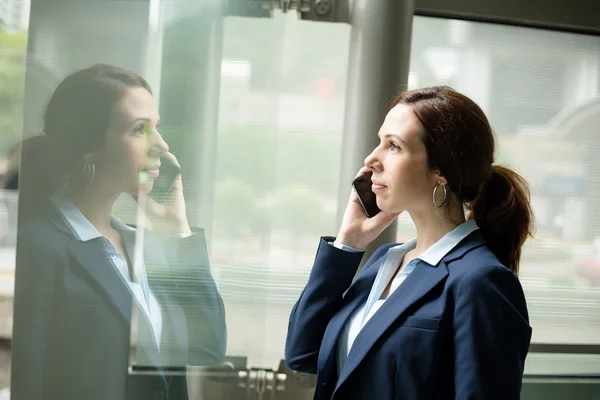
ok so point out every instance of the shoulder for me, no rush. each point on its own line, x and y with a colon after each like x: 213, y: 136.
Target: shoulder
x: 477, y: 263
x: 479, y: 276
x: 39, y: 237
x: 41, y: 254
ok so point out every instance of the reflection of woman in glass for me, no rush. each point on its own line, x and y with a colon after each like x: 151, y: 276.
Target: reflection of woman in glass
x: 79, y: 270
x: 442, y: 316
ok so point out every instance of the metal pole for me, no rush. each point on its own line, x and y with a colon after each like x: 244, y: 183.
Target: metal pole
x: 208, y: 114
x: 377, y: 69
x: 193, y: 135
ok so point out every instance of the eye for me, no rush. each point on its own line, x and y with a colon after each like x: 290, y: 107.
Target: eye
x: 140, y: 129
x: 394, y: 146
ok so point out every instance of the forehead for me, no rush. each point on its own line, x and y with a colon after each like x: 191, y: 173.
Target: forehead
x: 401, y: 121
x: 135, y: 103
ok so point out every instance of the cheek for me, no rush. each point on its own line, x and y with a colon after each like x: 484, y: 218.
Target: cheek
x: 123, y: 162
x: 133, y: 156
x: 411, y: 179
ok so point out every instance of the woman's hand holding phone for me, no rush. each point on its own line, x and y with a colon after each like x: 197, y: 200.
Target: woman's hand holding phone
x: 357, y: 229
x: 169, y: 215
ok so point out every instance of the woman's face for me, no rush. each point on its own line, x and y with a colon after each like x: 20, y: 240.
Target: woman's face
x: 401, y: 177
x: 133, y: 145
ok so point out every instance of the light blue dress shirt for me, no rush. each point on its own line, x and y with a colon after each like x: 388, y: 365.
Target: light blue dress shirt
x: 84, y: 231
x: 392, y: 262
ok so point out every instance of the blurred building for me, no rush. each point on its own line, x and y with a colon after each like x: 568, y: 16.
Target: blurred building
x: 14, y: 14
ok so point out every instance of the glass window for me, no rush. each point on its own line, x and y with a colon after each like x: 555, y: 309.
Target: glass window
x: 13, y: 55
x: 540, y: 90
x: 257, y: 134
x: 272, y: 174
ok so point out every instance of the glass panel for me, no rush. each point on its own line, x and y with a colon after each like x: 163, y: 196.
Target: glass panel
x: 276, y: 167
x: 103, y: 310
x: 256, y: 132
x: 14, y: 19
x: 540, y: 90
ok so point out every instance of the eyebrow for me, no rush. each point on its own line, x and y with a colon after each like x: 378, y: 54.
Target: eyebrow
x: 388, y: 135
x: 143, y: 119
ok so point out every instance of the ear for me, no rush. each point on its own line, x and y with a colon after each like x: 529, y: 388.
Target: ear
x: 93, y: 156
x: 438, y: 178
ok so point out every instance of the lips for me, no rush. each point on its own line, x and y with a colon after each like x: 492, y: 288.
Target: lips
x: 377, y: 186
x: 153, y: 173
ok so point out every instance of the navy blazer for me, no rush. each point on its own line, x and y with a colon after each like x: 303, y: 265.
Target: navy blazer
x: 457, y: 330
x: 72, y: 317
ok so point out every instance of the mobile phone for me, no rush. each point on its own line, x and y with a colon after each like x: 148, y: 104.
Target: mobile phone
x: 167, y: 175
x: 368, y: 199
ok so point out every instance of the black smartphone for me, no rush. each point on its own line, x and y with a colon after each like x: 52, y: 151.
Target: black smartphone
x: 368, y: 199
x: 167, y: 175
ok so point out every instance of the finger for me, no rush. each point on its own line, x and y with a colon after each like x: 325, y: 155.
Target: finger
x: 354, y: 196
x: 362, y: 171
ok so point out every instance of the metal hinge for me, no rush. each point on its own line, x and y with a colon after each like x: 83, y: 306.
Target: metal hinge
x: 312, y: 10
x: 233, y: 380
x: 262, y: 382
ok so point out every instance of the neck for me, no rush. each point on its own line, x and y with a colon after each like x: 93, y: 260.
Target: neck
x: 431, y: 227
x: 96, y: 205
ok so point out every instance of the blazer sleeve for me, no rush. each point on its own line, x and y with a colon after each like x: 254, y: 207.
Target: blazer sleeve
x: 35, y: 279
x: 491, y: 335
x: 322, y: 297
x: 189, y: 283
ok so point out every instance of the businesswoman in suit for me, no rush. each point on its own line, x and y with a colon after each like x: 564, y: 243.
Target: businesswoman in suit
x: 442, y: 316
x: 83, y: 277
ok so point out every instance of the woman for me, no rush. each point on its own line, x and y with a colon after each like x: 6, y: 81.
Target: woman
x: 89, y: 289
x: 442, y: 316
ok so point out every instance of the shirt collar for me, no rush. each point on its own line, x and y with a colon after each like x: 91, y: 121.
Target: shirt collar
x: 442, y: 247
x: 82, y: 228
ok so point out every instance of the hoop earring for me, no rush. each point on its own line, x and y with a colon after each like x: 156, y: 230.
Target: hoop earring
x: 445, y: 195
x: 89, y: 172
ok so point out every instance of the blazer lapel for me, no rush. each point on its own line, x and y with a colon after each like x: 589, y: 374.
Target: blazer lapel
x: 92, y: 259
x: 355, y: 296
x: 417, y: 284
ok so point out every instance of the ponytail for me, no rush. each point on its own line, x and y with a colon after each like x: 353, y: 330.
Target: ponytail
x: 42, y: 173
x: 503, y: 214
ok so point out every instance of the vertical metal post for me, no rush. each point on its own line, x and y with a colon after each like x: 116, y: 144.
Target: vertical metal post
x: 377, y: 69
x: 191, y: 112
x: 208, y: 114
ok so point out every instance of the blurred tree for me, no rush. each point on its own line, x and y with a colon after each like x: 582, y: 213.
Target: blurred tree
x: 261, y: 224
x: 234, y: 207
x: 299, y: 210
x: 265, y: 158
x: 13, y: 52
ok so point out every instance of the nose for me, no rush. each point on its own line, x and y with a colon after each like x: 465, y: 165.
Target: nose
x: 372, y: 161
x: 158, y: 146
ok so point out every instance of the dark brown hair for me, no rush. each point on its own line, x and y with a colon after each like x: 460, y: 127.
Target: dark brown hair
x: 460, y: 146
x: 76, y: 120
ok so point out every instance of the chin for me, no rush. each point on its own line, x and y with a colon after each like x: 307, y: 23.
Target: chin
x: 389, y: 208
x: 145, y: 188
